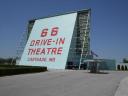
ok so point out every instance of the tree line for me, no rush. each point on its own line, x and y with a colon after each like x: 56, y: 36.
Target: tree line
x: 10, y: 61
x: 125, y: 60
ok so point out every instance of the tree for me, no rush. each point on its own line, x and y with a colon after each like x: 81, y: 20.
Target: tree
x: 125, y: 60
x: 2, y: 61
x: 8, y: 61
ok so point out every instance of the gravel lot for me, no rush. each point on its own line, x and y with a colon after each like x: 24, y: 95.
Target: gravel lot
x: 61, y: 83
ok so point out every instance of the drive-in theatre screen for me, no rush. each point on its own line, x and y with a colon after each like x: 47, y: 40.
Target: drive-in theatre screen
x: 49, y: 42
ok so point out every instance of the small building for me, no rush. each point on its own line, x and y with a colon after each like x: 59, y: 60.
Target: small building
x: 101, y: 64
x: 108, y: 64
x: 122, y: 66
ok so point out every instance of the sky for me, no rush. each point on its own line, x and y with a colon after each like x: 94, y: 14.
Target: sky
x: 109, y: 23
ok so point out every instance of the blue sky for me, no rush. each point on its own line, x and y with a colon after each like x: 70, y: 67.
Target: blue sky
x: 109, y: 23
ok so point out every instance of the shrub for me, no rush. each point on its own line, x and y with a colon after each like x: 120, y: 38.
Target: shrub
x: 13, y: 70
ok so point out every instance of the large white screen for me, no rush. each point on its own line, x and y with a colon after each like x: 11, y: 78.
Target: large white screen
x: 49, y: 42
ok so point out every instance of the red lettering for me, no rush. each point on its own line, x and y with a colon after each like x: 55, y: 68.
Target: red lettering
x: 37, y: 42
x: 44, y: 32
x: 48, y: 52
x: 54, y: 31
x: 59, y: 50
x: 45, y: 42
x: 52, y: 59
x: 38, y: 51
x: 49, y: 41
x: 61, y: 41
x: 56, y: 41
x: 54, y: 51
x: 31, y: 51
x: 42, y: 51
x: 32, y: 43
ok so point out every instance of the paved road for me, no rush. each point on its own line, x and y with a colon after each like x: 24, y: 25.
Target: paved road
x: 123, y: 88
x: 61, y: 83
